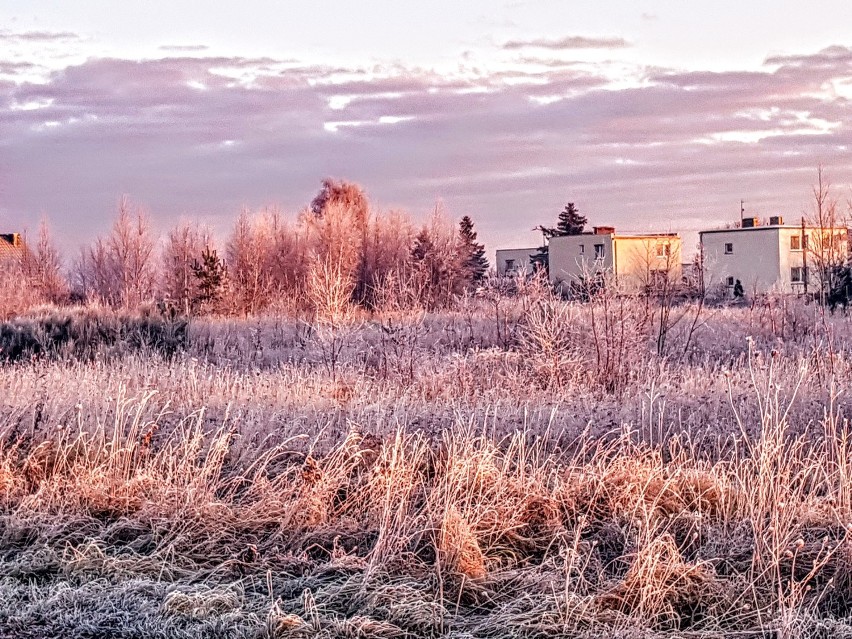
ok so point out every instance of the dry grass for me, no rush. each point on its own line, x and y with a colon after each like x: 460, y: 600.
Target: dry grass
x: 438, y: 482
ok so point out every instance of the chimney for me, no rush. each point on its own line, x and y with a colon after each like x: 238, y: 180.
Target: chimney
x: 750, y: 222
x: 604, y: 230
x: 776, y: 220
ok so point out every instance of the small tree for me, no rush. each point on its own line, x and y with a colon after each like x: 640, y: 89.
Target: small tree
x: 826, y: 246
x: 247, y: 256
x: 210, y: 274
x: 349, y: 203
x: 471, y: 252
x: 435, y: 262
x: 183, y: 245
x: 119, y: 268
x: 42, y: 266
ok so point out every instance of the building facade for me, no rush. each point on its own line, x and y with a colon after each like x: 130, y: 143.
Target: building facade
x: 510, y: 262
x: 771, y: 258
x: 635, y: 260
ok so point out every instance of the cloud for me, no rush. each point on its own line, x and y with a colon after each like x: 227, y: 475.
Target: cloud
x: 567, y: 43
x: 183, y: 48
x: 37, y: 36
x: 205, y: 135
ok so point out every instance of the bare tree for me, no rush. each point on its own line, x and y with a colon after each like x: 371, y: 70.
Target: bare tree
x: 42, y: 266
x: 348, y: 202
x: 826, y: 246
x: 435, y: 260
x: 119, y: 269
x: 184, y: 246
x: 247, y: 256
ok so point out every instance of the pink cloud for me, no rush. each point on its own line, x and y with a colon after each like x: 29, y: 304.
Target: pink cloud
x: 182, y: 135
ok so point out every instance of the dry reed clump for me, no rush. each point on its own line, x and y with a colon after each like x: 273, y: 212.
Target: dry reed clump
x: 636, y: 483
x: 619, y: 539
x: 386, y: 513
x: 458, y: 548
x: 663, y: 591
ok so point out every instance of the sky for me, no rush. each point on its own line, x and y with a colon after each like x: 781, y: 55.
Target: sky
x: 648, y: 115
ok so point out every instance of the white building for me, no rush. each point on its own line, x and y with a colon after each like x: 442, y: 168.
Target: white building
x: 770, y: 258
x: 636, y: 260
x: 514, y: 261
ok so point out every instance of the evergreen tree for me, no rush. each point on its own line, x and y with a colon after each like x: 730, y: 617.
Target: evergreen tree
x: 471, y: 253
x: 423, y: 246
x: 570, y: 222
x: 210, y: 273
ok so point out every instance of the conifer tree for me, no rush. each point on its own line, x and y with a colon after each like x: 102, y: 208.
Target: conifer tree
x: 471, y: 252
x: 210, y: 273
x: 569, y: 222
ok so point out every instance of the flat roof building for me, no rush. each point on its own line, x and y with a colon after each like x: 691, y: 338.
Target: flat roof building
x: 770, y: 258
x: 511, y: 262
x: 636, y: 260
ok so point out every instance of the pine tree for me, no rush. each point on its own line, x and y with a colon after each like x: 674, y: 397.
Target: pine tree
x: 570, y: 222
x: 423, y: 246
x: 210, y: 273
x: 471, y: 253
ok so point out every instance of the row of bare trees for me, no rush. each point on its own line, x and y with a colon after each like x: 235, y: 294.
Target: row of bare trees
x: 336, y: 255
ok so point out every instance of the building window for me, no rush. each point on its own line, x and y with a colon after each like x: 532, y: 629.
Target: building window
x: 730, y: 280
x: 510, y: 265
x: 799, y: 274
x: 599, y: 251
x: 795, y: 242
x: 664, y: 250
x: 582, y: 249
x: 729, y: 248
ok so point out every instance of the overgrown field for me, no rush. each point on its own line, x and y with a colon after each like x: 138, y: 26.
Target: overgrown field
x: 519, y: 467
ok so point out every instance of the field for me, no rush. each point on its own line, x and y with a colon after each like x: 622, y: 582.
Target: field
x: 517, y: 467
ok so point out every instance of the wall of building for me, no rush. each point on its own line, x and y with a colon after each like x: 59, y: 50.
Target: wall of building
x: 632, y: 259
x: 518, y: 259
x: 789, y: 258
x: 755, y: 260
x: 641, y: 261
x: 572, y: 256
x: 764, y: 258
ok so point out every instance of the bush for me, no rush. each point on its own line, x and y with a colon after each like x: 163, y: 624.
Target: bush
x: 83, y: 333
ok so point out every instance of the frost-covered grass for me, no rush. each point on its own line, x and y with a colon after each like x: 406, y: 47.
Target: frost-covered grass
x: 469, y: 474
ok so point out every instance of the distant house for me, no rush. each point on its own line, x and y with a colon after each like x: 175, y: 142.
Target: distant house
x: 773, y: 257
x: 635, y: 260
x: 514, y: 261
x: 11, y: 246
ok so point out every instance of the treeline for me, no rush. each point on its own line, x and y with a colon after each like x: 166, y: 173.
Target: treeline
x: 336, y: 256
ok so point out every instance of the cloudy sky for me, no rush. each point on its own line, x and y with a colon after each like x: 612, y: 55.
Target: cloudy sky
x: 650, y: 115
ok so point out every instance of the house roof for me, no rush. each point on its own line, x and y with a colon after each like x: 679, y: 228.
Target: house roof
x: 622, y: 236
x: 771, y: 227
x: 11, y: 246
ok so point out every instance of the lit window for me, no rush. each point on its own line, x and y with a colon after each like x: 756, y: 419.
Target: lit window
x: 729, y: 248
